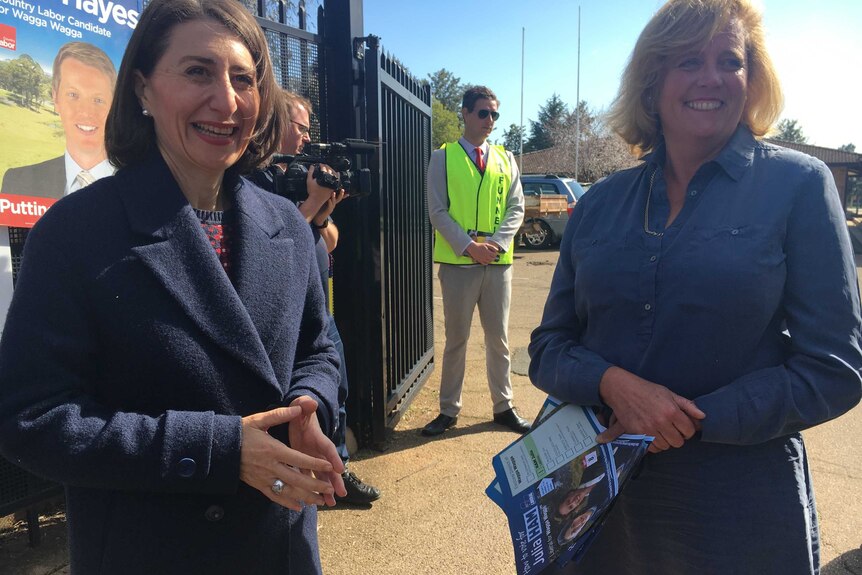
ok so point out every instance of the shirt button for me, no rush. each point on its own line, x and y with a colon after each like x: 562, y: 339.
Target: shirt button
x: 214, y: 513
x: 186, y: 467
x: 692, y: 193
x: 734, y: 232
x: 652, y: 258
x: 647, y: 307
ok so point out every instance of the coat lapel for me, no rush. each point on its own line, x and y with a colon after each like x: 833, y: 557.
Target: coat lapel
x: 184, y: 262
x: 263, y: 286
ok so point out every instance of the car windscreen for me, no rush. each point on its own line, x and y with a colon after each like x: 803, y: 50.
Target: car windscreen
x: 575, y: 187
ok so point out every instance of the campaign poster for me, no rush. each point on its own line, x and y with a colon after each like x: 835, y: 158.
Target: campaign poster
x: 58, y: 66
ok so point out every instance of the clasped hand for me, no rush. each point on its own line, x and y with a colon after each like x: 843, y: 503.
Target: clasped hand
x: 642, y: 407
x: 483, y: 253
x: 310, y: 468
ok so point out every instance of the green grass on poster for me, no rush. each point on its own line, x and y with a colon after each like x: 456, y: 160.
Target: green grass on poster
x: 27, y: 136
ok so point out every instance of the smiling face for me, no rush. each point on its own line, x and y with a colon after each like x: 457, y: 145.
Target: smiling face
x: 573, y: 500
x: 577, y: 524
x: 476, y: 129
x: 203, y: 99
x: 703, y: 94
x: 82, y: 100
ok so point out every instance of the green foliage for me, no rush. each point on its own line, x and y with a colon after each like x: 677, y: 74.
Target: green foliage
x: 790, y: 131
x: 552, y: 117
x: 447, y: 89
x: 512, y: 138
x: 445, y: 125
x: 848, y: 148
x: 24, y: 78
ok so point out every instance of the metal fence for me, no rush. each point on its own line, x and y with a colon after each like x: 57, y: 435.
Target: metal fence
x: 386, y: 281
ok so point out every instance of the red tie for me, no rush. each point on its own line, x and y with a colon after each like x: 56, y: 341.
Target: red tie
x: 480, y: 161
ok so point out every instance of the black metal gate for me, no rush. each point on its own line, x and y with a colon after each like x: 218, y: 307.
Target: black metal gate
x: 383, y: 269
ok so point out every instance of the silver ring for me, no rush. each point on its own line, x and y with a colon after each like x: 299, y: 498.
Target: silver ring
x: 277, y: 486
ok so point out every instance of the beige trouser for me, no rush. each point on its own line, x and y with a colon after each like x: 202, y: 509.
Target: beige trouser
x: 463, y: 288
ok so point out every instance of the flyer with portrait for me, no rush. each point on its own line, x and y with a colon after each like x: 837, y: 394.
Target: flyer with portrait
x: 557, y: 483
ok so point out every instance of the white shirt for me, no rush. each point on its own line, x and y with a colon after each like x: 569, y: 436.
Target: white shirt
x: 100, y: 170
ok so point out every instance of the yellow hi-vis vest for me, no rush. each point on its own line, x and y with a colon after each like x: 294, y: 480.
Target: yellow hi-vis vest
x: 476, y: 201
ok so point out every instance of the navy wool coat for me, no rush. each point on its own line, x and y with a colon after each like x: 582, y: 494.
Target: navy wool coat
x: 129, y: 357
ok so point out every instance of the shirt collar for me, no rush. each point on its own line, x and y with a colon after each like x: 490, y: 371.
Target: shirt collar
x: 735, y: 158
x: 100, y: 170
x: 468, y: 147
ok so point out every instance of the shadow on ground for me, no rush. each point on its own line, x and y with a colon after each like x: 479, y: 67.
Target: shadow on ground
x: 848, y: 564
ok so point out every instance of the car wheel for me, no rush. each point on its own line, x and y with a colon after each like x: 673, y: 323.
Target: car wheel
x: 540, y: 236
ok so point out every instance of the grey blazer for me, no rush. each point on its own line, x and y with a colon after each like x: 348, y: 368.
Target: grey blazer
x: 129, y: 357
x: 46, y: 179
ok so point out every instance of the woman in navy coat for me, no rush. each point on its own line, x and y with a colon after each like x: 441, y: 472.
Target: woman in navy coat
x: 166, y: 340
x: 709, y: 298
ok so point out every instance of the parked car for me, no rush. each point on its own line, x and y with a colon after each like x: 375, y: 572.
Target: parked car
x: 544, y: 228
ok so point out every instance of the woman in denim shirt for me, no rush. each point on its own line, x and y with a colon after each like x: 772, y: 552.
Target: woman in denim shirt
x: 708, y: 297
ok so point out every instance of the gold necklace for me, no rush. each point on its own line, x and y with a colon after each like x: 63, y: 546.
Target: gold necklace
x: 648, y: 231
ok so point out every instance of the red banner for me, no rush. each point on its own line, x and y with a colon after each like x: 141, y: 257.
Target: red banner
x: 22, y: 211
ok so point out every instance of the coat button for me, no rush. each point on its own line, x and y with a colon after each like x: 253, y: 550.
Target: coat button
x: 214, y: 513
x: 186, y: 467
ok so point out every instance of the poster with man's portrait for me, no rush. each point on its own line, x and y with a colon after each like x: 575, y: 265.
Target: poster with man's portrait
x: 58, y: 67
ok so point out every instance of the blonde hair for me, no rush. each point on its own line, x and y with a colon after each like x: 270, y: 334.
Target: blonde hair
x: 681, y: 26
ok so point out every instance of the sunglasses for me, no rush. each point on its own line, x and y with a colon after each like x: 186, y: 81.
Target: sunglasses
x: 485, y: 113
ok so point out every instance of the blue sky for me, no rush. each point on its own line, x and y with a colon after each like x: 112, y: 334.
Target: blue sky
x: 37, y: 38
x: 814, y: 44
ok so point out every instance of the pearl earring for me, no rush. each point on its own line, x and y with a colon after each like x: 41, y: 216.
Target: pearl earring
x: 145, y: 112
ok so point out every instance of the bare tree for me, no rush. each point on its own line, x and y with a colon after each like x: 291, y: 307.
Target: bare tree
x: 600, y: 151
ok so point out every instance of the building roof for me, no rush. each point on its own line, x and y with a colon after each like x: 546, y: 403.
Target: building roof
x: 828, y: 156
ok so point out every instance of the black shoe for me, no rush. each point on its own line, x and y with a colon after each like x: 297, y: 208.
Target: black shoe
x: 512, y: 420
x: 440, y: 424
x: 358, y: 493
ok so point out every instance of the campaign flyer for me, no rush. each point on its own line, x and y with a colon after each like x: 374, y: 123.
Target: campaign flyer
x: 556, y: 484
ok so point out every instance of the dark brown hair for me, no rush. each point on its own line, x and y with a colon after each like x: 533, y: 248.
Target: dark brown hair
x: 476, y: 93
x: 130, y: 136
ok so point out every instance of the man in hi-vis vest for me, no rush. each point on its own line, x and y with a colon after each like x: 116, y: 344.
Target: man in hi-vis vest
x: 476, y: 207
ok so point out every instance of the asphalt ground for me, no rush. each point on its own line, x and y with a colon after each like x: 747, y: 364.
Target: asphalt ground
x: 434, y: 517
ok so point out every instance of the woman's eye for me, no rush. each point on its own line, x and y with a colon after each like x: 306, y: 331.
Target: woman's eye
x: 245, y: 80
x: 72, y: 95
x: 732, y: 64
x: 196, y: 71
x: 689, y: 63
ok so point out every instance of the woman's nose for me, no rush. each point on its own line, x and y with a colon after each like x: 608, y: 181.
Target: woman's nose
x: 223, y: 97
x: 710, y: 75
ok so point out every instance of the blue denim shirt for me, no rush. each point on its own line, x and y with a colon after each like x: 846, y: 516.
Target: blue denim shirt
x: 759, y: 250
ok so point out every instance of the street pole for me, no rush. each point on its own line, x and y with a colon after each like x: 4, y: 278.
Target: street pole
x: 521, y: 130
x: 578, y: 101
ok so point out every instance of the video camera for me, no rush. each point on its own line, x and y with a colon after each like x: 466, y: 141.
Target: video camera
x: 292, y: 185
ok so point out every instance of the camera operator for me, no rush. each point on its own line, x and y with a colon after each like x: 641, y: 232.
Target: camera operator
x: 316, y: 209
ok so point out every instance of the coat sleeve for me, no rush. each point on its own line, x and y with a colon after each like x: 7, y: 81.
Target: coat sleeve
x: 821, y: 378
x: 560, y: 364
x: 315, y: 369
x: 52, y: 422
